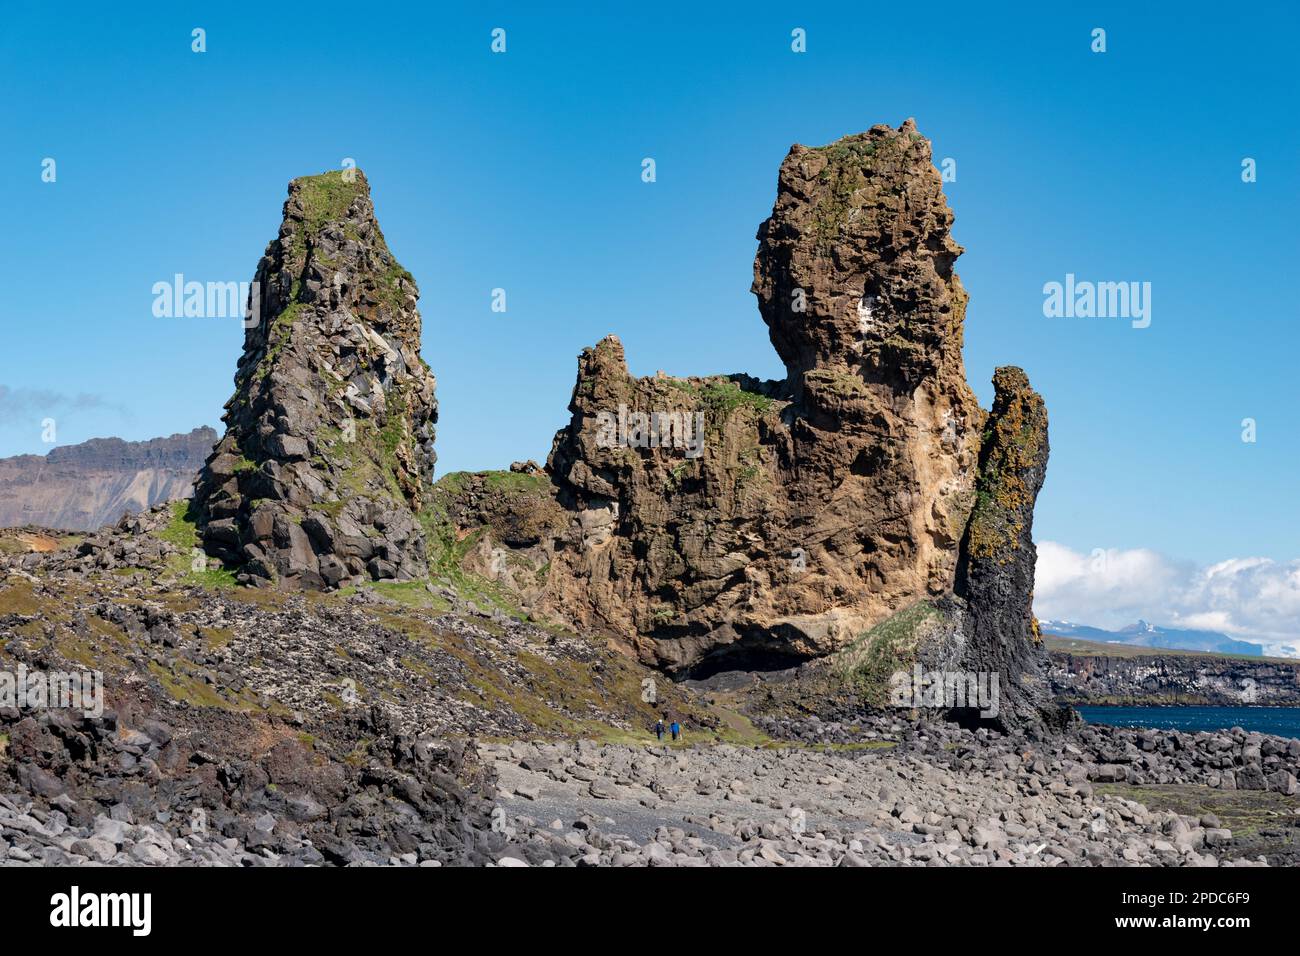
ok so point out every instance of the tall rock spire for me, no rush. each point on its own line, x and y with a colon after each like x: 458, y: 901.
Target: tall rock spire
x: 816, y: 506
x: 328, y: 452
x: 996, y: 566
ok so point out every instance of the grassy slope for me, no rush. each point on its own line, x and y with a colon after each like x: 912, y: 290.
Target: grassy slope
x: 562, y: 699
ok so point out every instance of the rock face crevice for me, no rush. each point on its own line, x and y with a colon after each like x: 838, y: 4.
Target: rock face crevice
x: 328, y: 452
x: 817, y: 506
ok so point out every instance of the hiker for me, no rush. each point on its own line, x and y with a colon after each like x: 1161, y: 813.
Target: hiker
x: 659, y: 728
x: 676, y: 729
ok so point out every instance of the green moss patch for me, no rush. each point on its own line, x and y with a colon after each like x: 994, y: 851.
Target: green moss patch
x: 719, y: 397
x: 182, y: 528
x: 18, y: 598
x: 326, y: 198
x: 868, y: 663
x: 412, y: 594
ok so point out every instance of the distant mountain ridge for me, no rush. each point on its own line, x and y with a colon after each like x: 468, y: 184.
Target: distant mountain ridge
x: 1144, y: 634
x: 86, y: 486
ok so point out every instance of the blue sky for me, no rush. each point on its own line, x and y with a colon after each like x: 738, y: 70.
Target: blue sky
x: 522, y: 171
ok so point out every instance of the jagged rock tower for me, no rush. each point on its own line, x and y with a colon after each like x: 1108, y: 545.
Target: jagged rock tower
x: 814, y: 508
x: 328, y: 452
x: 823, y: 502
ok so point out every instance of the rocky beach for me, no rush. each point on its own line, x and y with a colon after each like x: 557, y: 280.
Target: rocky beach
x: 328, y: 655
x: 415, y: 728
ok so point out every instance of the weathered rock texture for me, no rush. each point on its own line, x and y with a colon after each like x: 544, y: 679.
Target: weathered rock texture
x: 84, y: 487
x: 822, y: 504
x: 328, y: 451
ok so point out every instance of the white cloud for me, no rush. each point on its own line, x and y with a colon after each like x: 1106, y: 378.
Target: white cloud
x: 1253, y: 599
x: 23, y: 404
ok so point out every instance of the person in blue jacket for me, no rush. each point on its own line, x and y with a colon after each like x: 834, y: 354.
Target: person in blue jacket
x: 676, y: 729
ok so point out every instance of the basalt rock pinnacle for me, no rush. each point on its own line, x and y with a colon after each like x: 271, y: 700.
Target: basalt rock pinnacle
x: 328, y: 452
x: 996, y: 565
